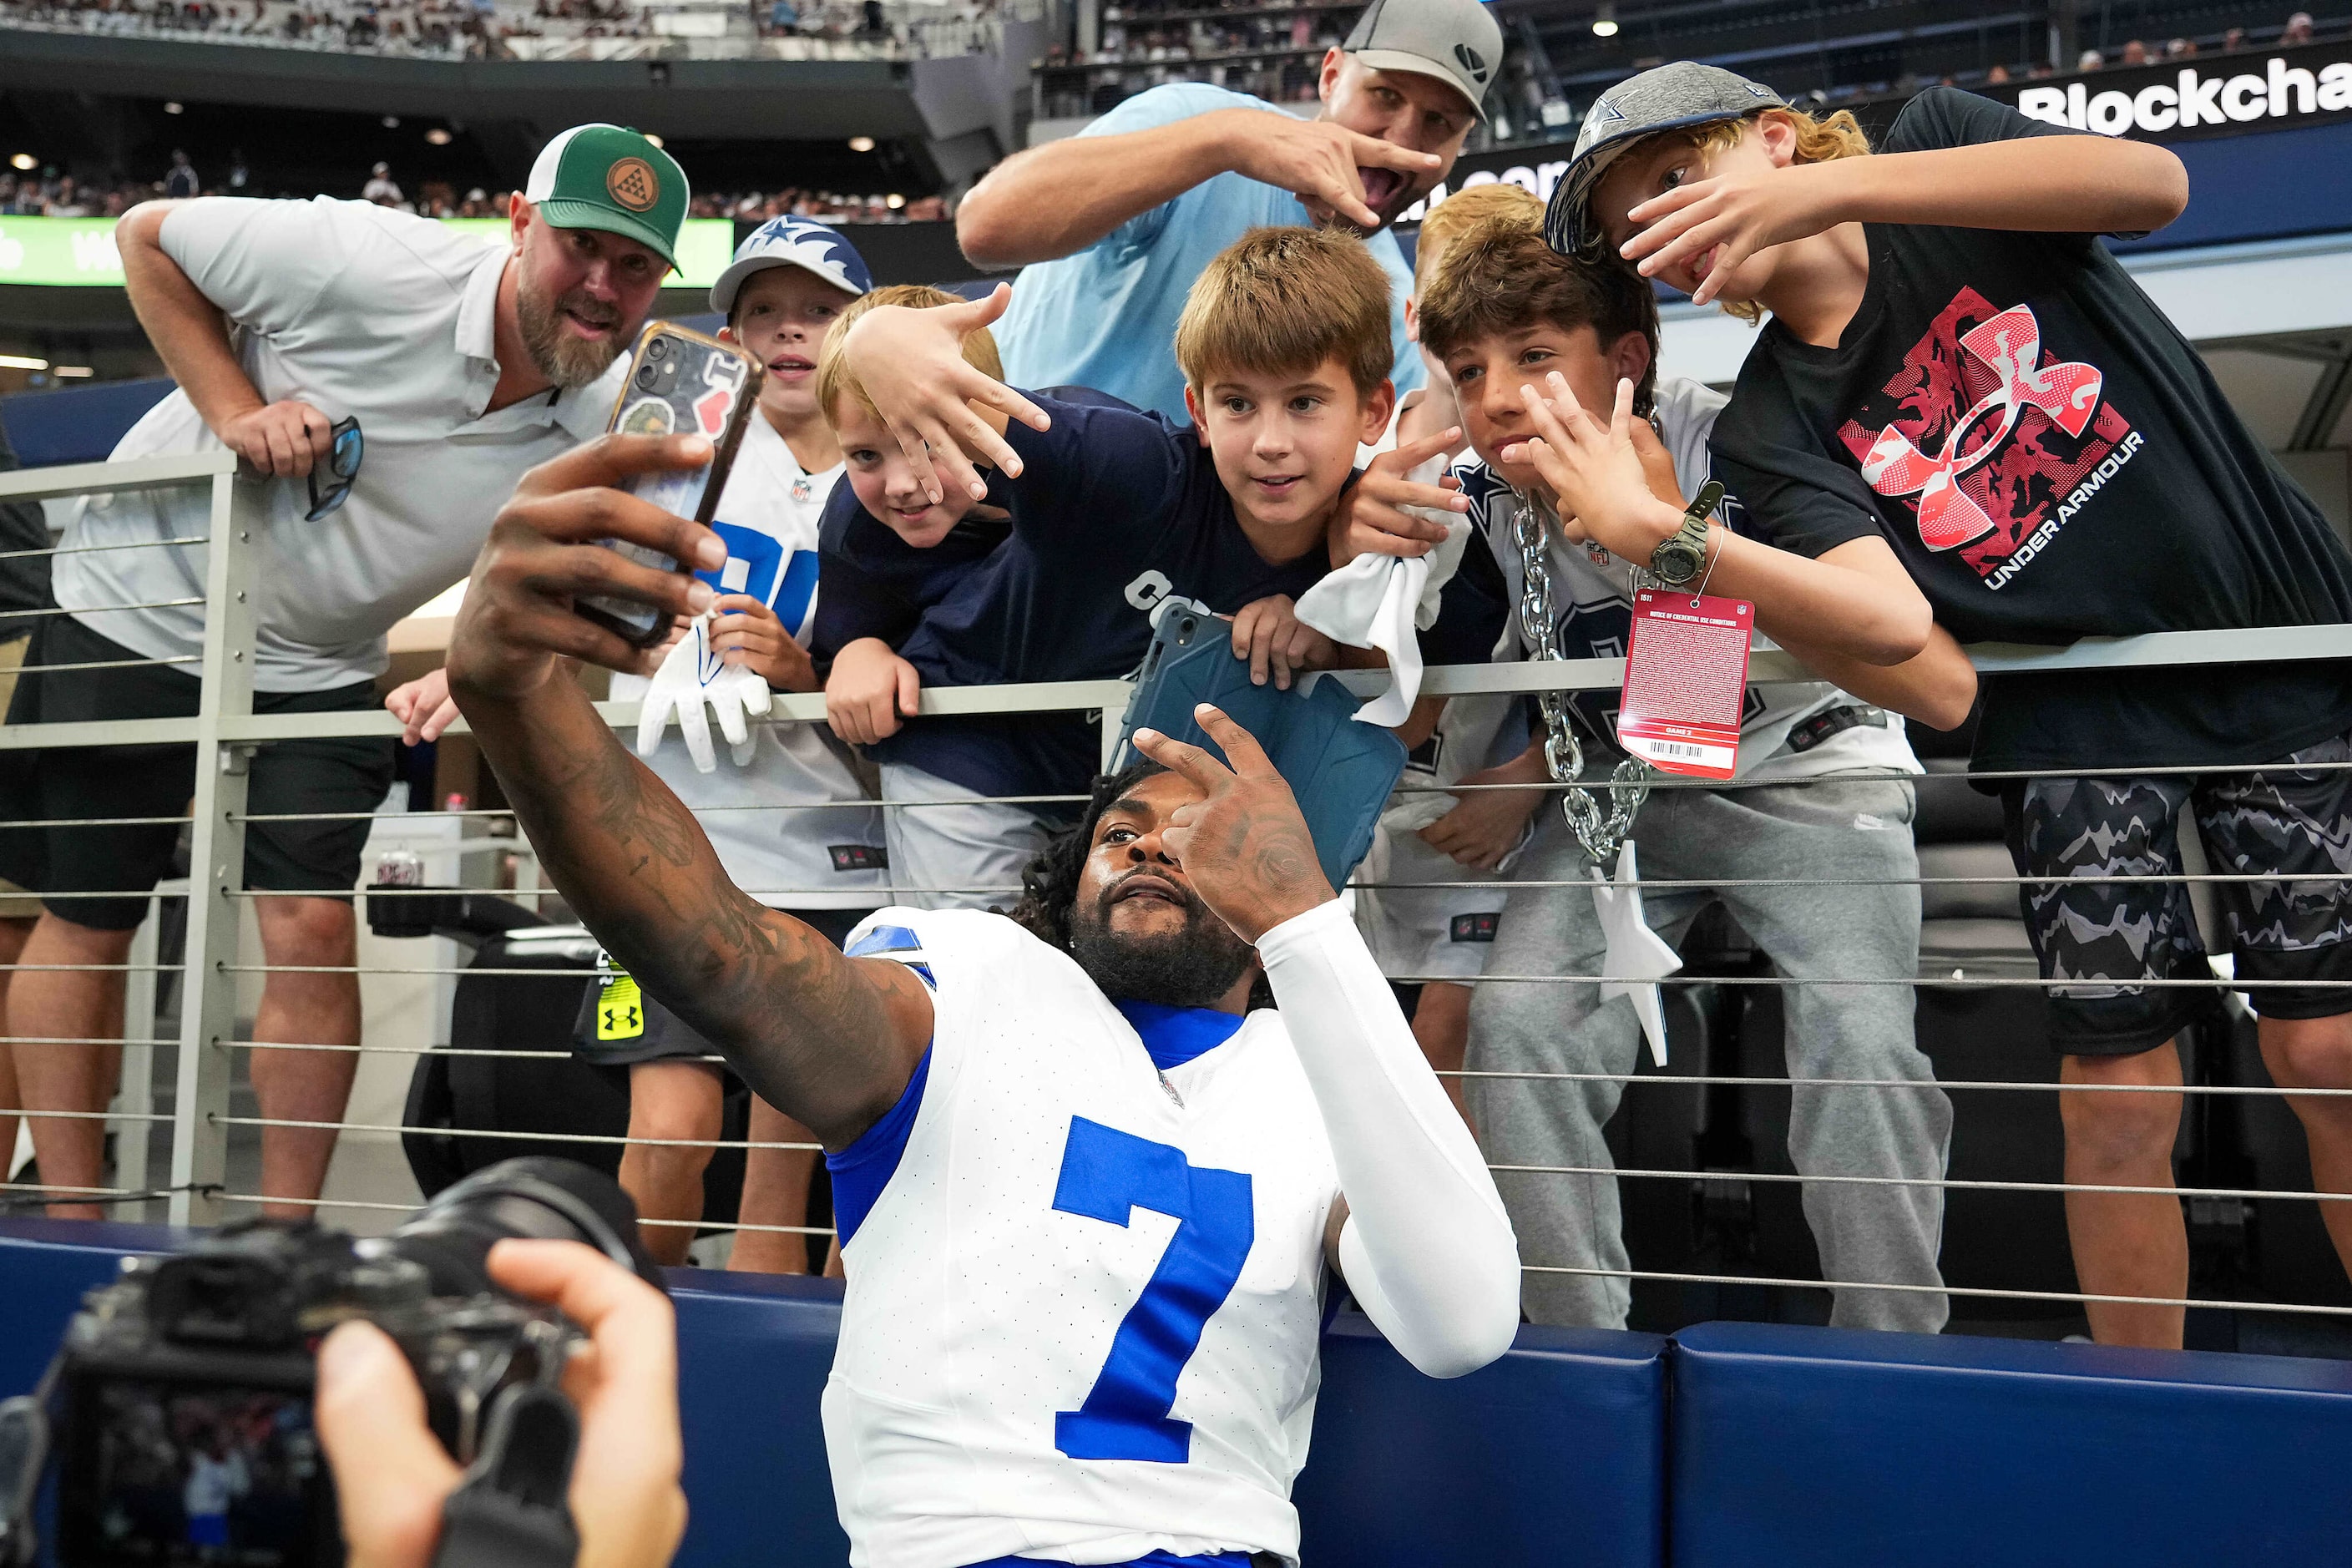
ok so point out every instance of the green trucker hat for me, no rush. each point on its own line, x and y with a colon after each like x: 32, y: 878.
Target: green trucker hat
x: 610, y: 178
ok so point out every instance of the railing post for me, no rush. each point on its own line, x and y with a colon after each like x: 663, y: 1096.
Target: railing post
x: 215, y: 863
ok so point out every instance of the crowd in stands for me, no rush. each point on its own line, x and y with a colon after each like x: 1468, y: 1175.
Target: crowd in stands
x: 511, y: 29
x: 47, y: 193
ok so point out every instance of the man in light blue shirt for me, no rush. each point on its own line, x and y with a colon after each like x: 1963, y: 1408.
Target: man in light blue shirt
x: 1111, y: 227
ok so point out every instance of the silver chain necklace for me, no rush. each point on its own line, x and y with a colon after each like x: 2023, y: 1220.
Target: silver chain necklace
x: 1599, y: 833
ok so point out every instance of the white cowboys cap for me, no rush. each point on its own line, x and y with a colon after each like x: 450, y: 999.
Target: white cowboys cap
x: 793, y: 242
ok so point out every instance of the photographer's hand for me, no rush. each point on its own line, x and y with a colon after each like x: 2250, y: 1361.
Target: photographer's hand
x: 392, y: 1475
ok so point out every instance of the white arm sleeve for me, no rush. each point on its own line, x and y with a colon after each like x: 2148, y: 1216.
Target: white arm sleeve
x: 1427, y: 1248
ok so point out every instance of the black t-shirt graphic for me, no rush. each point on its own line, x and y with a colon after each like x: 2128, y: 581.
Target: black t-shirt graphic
x: 2050, y: 460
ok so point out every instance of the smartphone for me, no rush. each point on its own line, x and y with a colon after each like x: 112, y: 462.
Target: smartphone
x: 681, y: 382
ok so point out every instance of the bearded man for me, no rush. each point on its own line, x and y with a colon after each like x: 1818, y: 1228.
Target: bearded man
x: 393, y: 377
x: 1087, y: 1195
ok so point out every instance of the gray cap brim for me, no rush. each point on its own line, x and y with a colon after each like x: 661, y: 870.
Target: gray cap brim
x: 1421, y: 65
x: 1683, y: 96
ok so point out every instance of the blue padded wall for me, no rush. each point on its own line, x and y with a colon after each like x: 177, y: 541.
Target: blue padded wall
x: 1821, y: 1446
x: 1554, y: 1455
x: 1562, y: 1439
x: 45, y: 1265
x: 753, y: 1353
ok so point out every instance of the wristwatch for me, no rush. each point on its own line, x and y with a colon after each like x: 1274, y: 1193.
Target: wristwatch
x: 1677, y: 561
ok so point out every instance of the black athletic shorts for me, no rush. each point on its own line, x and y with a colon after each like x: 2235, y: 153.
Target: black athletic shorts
x: 323, y: 776
x: 2291, y: 819
x: 621, y: 1025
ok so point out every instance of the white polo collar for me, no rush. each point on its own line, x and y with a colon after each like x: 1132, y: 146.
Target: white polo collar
x: 477, y: 312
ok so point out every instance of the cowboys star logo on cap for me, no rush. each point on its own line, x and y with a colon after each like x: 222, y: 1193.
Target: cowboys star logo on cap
x: 634, y: 184
x: 814, y: 247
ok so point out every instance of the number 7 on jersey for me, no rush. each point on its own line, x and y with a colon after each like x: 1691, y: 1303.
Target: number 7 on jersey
x: 1105, y: 1175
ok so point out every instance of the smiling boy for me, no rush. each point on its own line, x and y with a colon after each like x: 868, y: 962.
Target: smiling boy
x: 1285, y: 348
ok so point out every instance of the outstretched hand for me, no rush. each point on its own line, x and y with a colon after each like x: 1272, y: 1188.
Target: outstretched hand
x: 1244, y: 846
x: 910, y: 362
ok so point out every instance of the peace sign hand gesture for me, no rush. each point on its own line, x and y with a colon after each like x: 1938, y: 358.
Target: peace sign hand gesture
x: 1244, y: 846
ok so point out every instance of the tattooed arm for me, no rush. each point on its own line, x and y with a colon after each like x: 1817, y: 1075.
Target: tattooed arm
x: 828, y: 1040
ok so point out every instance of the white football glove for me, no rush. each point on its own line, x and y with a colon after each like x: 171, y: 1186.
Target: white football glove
x: 691, y: 677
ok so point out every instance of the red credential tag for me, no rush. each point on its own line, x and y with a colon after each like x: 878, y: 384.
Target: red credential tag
x: 1686, y: 683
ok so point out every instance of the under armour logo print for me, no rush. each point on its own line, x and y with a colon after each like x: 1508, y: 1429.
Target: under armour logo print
x: 2011, y: 343
x: 1994, y: 442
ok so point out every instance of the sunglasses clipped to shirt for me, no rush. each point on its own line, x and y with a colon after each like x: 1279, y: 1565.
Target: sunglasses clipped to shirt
x: 345, y: 447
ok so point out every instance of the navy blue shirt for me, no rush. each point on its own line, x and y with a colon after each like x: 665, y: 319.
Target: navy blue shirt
x: 1112, y: 505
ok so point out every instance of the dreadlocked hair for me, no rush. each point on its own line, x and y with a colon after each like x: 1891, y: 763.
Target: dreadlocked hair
x: 1049, y: 883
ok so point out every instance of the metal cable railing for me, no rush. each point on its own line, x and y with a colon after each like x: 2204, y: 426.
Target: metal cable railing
x: 207, y: 1101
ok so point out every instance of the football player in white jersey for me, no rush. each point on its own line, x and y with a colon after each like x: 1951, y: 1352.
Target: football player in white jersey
x: 1087, y: 1197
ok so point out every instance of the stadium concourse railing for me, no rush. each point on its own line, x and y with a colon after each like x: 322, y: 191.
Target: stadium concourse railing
x: 227, y: 733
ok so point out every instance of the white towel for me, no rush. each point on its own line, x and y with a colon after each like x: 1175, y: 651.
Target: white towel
x: 1380, y: 601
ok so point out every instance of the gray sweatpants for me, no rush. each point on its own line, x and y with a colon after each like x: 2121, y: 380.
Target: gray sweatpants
x: 1856, y: 827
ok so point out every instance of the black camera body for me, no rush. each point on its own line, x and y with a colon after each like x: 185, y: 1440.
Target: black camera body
x: 183, y: 1389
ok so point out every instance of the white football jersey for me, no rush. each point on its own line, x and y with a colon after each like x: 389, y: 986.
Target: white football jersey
x: 1084, y: 1293
x: 768, y: 819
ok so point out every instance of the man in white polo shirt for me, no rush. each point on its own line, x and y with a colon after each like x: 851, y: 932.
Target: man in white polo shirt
x: 463, y: 365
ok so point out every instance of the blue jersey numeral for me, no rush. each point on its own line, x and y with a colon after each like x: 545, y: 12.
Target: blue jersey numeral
x: 1106, y: 1174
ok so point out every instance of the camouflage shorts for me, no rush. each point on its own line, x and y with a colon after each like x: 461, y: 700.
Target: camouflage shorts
x: 2293, y: 820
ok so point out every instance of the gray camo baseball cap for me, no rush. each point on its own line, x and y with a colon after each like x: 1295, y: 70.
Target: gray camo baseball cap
x: 1669, y: 98
x: 1456, y: 41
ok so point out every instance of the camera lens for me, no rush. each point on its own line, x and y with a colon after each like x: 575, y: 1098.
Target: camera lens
x: 658, y: 348
x: 536, y: 1198
x: 647, y: 376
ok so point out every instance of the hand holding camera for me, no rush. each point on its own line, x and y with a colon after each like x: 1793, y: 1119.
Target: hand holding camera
x: 491, y: 1393
x: 393, y: 1477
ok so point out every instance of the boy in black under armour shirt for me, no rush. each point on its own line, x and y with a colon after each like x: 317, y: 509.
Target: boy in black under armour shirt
x: 1961, y: 381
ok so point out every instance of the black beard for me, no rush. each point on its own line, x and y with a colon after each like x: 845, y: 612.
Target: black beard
x: 1192, y: 968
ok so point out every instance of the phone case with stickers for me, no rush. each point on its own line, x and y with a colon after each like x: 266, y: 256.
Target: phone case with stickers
x: 1340, y: 771
x: 681, y: 382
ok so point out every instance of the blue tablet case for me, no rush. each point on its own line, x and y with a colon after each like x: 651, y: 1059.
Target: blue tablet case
x: 1341, y: 772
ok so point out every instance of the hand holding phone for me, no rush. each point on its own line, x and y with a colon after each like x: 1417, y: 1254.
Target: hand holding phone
x: 681, y: 383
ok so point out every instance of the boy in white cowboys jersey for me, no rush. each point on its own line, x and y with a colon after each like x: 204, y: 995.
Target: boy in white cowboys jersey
x: 790, y: 821
x: 1088, y: 1199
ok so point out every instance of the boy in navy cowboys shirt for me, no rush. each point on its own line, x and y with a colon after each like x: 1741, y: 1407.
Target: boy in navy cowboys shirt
x: 1963, y: 405
x: 1285, y: 344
